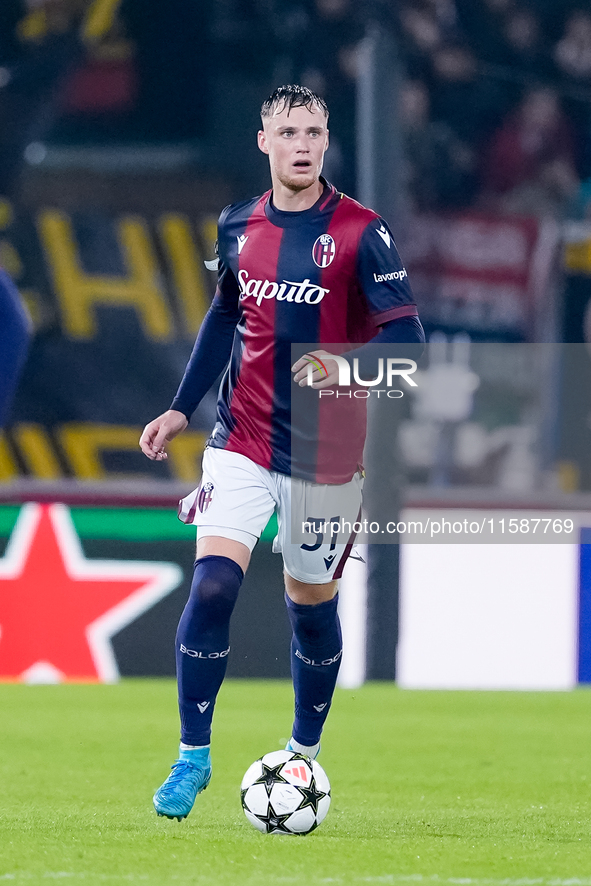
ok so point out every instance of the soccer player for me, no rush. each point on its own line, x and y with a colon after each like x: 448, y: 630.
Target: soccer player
x: 303, y: 263
x: 14, y: 342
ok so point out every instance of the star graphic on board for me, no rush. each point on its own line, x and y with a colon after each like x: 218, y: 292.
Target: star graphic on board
x: 312, y: 796
x: 58, y: 610
x: 271, y: 776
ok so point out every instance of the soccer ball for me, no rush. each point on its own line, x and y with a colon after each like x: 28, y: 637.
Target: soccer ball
x: 285, y: 793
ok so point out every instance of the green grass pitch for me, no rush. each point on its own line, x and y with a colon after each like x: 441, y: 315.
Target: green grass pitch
x: 428, y: 788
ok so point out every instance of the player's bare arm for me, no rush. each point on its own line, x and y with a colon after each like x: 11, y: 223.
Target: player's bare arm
x: 161, y: 431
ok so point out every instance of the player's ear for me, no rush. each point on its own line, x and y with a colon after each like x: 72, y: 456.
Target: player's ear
x: 262, y: 141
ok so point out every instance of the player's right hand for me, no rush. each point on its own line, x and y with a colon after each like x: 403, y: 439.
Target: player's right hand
x: 160, y: 432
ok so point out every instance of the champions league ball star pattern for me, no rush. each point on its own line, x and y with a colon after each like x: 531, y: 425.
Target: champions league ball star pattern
x: 285, y: 793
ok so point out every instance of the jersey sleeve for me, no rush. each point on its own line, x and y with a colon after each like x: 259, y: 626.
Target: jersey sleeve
x: 213, y: 346
x: 227, y: 293
x: 382, y: 276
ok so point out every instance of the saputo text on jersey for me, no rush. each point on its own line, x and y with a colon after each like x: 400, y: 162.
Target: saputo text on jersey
x: 299, y: 292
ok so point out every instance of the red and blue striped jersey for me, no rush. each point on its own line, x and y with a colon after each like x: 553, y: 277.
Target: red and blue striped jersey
x: 329, y: 274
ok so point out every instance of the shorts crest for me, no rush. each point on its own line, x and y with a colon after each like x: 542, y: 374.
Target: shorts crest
x: 204, y: 497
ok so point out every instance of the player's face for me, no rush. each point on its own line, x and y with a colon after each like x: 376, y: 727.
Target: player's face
x: 295, y: 141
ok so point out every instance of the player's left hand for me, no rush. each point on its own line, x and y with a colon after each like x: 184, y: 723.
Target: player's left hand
x: 325, y: 372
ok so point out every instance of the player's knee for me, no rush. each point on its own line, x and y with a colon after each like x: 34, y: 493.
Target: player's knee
x: 216, y: 582
x: 307, y: 594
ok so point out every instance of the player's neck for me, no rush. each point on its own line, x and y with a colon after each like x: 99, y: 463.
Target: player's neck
x: 287, y: 200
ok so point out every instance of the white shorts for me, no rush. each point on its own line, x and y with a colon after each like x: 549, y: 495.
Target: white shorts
x: 236, y: 498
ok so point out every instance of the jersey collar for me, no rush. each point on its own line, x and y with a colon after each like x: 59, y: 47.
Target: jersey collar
x: 285, y: 219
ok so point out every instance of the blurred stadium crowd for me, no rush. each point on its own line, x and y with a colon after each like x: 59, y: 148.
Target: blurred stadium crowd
x: 498, y: 107
x: 495, y: 103
x: 494, y: 106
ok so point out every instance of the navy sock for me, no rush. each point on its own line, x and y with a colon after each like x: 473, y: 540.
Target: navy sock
x: 316, y: 650
x: 203, y: 643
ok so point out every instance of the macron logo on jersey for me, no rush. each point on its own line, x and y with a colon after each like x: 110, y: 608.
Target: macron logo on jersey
x: 288, y: 290
x: 241, y: 241
x: 384, y: 235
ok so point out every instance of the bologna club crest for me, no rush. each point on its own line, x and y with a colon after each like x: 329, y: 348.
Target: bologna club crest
x: 323, y: 251
x: 205, y: 496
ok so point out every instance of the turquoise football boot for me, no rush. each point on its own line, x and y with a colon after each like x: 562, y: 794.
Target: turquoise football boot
x: 190, y: 776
